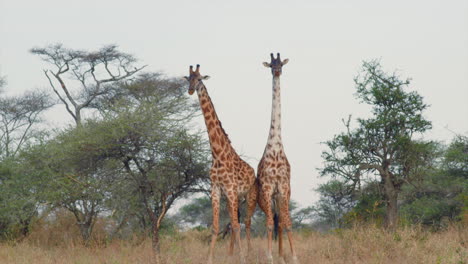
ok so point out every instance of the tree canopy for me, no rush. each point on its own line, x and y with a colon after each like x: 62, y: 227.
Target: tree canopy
x: 384, y: 145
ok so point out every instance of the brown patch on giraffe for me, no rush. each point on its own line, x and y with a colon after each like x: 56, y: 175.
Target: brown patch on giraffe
x: 222, y: 141
x: 216, y: 151
x: 211, y: 125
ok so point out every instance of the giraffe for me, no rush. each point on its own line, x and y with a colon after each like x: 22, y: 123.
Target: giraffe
x: 229, y: 174
x: 274, y: 171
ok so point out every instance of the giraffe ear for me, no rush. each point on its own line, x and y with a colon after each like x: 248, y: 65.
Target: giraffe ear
x: 185, y: 77
x: 266, y: 64
x: 206, y: 77
x: 285, y: 61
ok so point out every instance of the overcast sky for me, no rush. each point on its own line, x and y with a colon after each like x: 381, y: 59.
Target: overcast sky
x: 326, y: 42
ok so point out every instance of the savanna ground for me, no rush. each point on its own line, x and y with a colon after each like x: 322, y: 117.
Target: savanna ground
x: 356, y: 245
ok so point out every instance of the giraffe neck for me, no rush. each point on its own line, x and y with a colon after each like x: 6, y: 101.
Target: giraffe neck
x: 219, y: 140
x: 274, y: 138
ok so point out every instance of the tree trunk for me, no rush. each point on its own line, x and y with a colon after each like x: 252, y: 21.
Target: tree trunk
x: 155, y: 243
x: 85, y: 224
x: 391, y: 216
x: 391, y: 200
x: 77, y: 117
x: 85, y: 231
x: 25, y: 227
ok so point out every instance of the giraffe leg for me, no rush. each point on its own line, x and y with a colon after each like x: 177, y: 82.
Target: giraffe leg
x: 283, y: 214
x: 265, y: 204
x: 233, y: 240
x: 215, y: 199
x: 291, y: 244
x: 251, y: 204
x: 285, y: 222
x: 233, y: 204
x: 280, y: 240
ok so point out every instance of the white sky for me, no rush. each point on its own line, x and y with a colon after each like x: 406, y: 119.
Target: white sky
x: 326, y: 41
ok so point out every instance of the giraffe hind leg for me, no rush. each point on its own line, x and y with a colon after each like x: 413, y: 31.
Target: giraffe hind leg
x: 251, y: 205
x: 231, y: 245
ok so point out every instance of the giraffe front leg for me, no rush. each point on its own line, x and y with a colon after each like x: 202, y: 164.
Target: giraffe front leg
x: 215, y: 200
x: 266, y: 207
x: 233, y: 205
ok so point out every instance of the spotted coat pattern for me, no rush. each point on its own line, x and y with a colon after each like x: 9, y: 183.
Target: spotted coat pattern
x: 230, y: 175
x: 274, y: 170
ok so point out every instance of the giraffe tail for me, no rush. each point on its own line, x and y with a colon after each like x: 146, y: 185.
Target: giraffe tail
x: 275, y: 225
x: 276, y: 211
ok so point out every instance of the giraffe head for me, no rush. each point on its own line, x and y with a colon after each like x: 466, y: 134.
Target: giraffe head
x: 195, y: 79
x: 276, y: 65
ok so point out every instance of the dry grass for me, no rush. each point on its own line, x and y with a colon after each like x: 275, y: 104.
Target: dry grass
x: 357, y: 245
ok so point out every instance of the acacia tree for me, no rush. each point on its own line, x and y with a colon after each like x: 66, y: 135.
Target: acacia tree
x: 146, y: 123
x: 198, y: 212
x: 78, y: 79
x: 336, y: 198
x: 20, y: 116
x: 93, y: 72
x: 383, y: 145
x: 163, y: 180
x: 443, y: 195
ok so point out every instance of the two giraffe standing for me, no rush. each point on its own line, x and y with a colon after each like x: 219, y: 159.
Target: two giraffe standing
x: 233, y: 177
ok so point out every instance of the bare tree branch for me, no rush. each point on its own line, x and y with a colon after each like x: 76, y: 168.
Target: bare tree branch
x: 90, y: 69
